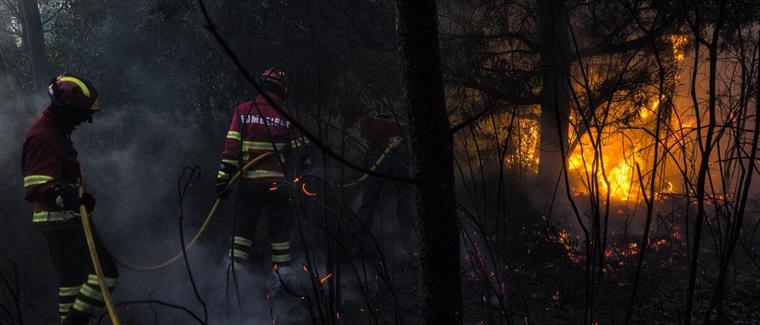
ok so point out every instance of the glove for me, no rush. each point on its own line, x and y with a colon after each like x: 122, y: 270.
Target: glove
x: 221, y: 188
x: 67, y: 197
x: 226, y: 170
x: 64, y: 196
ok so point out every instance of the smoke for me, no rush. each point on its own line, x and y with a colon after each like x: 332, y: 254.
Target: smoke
x: 132, y: 156
x: 164, y: 108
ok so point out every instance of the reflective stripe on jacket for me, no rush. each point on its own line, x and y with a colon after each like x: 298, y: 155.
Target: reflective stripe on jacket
x: 48, y: 157
x: 257, y: 128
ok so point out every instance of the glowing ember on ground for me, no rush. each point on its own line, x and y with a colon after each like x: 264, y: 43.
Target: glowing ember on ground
x: 325, y: 278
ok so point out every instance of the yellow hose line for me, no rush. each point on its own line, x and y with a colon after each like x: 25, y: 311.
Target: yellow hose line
x: 96, y: 261
x: 206, y: 222
x: 392, y: 145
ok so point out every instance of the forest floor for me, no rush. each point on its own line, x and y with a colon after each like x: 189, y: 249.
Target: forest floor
x: 540, y: 275
x: 542, y: 279
x: 546, y: 283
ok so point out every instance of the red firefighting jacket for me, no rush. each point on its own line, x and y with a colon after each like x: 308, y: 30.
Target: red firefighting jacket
x: 379, y: 130
x: 48, y: 158
x: 257, y: 128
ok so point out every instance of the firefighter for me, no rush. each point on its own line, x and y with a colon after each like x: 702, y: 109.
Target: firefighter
x: 51, y: 183
x: 381, y: 131
x: 257, y: 128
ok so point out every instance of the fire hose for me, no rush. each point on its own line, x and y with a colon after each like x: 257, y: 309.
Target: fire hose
x: 96, y: 261
x: 392, y: 144
x: 205, y: 224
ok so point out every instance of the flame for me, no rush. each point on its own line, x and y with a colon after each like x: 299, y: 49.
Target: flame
x: 523, y: 133
x: 620, y: 180
x: 567, y: 243
x: 633, y: 248
x: 618, y: 157
x: 679, y: 45
x: 621, y: 176
x: 646, y: 112
x: 659, y: 244
x: 618, y: 160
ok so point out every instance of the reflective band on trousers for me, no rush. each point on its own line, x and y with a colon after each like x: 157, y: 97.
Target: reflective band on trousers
x: 93, y: 280
x: 63, y: 308
x: 279, y: 246
x: 263, y: 145
x: 252, y: 174
x: 242, y: 241
x: 86, y: 307
x: 54, y: 216
x: 33, y: 180
x: 239, y: 254
x: 93, y: 293
x: 68, y: 291
x: 280, y: 258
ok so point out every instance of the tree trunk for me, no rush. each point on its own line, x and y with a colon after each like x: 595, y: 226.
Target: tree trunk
x: 432, y: 143
x: 555, y: 53
x: 34, y: 38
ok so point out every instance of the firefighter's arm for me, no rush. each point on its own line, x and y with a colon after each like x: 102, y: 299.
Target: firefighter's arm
x: 230, y: 158
x: 41, y: 170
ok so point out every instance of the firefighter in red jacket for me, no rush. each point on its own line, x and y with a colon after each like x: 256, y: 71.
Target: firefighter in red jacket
x: 51, y: 182
x: 381, y: 131
x: 257, y: 128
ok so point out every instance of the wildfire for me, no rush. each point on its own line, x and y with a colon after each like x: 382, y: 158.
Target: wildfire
x: 522, y: 132
x: 568, y: 244
x: 646, y: 112
x: 626, y: 137
x: 679, y: 44
x: 621, y: 176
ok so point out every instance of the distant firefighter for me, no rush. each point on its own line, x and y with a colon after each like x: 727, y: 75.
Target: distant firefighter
x: 51, y: 182
x: 257, y: 128
x: 387, y: 135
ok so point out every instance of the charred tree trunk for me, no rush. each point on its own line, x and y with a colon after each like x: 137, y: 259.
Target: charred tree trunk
x: 555, y: 52
x: 35, y: 41
x: 432, y: 142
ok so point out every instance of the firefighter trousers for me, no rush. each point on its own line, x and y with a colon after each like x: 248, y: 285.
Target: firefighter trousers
x: 79, y: 292
x: 253, y: 199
